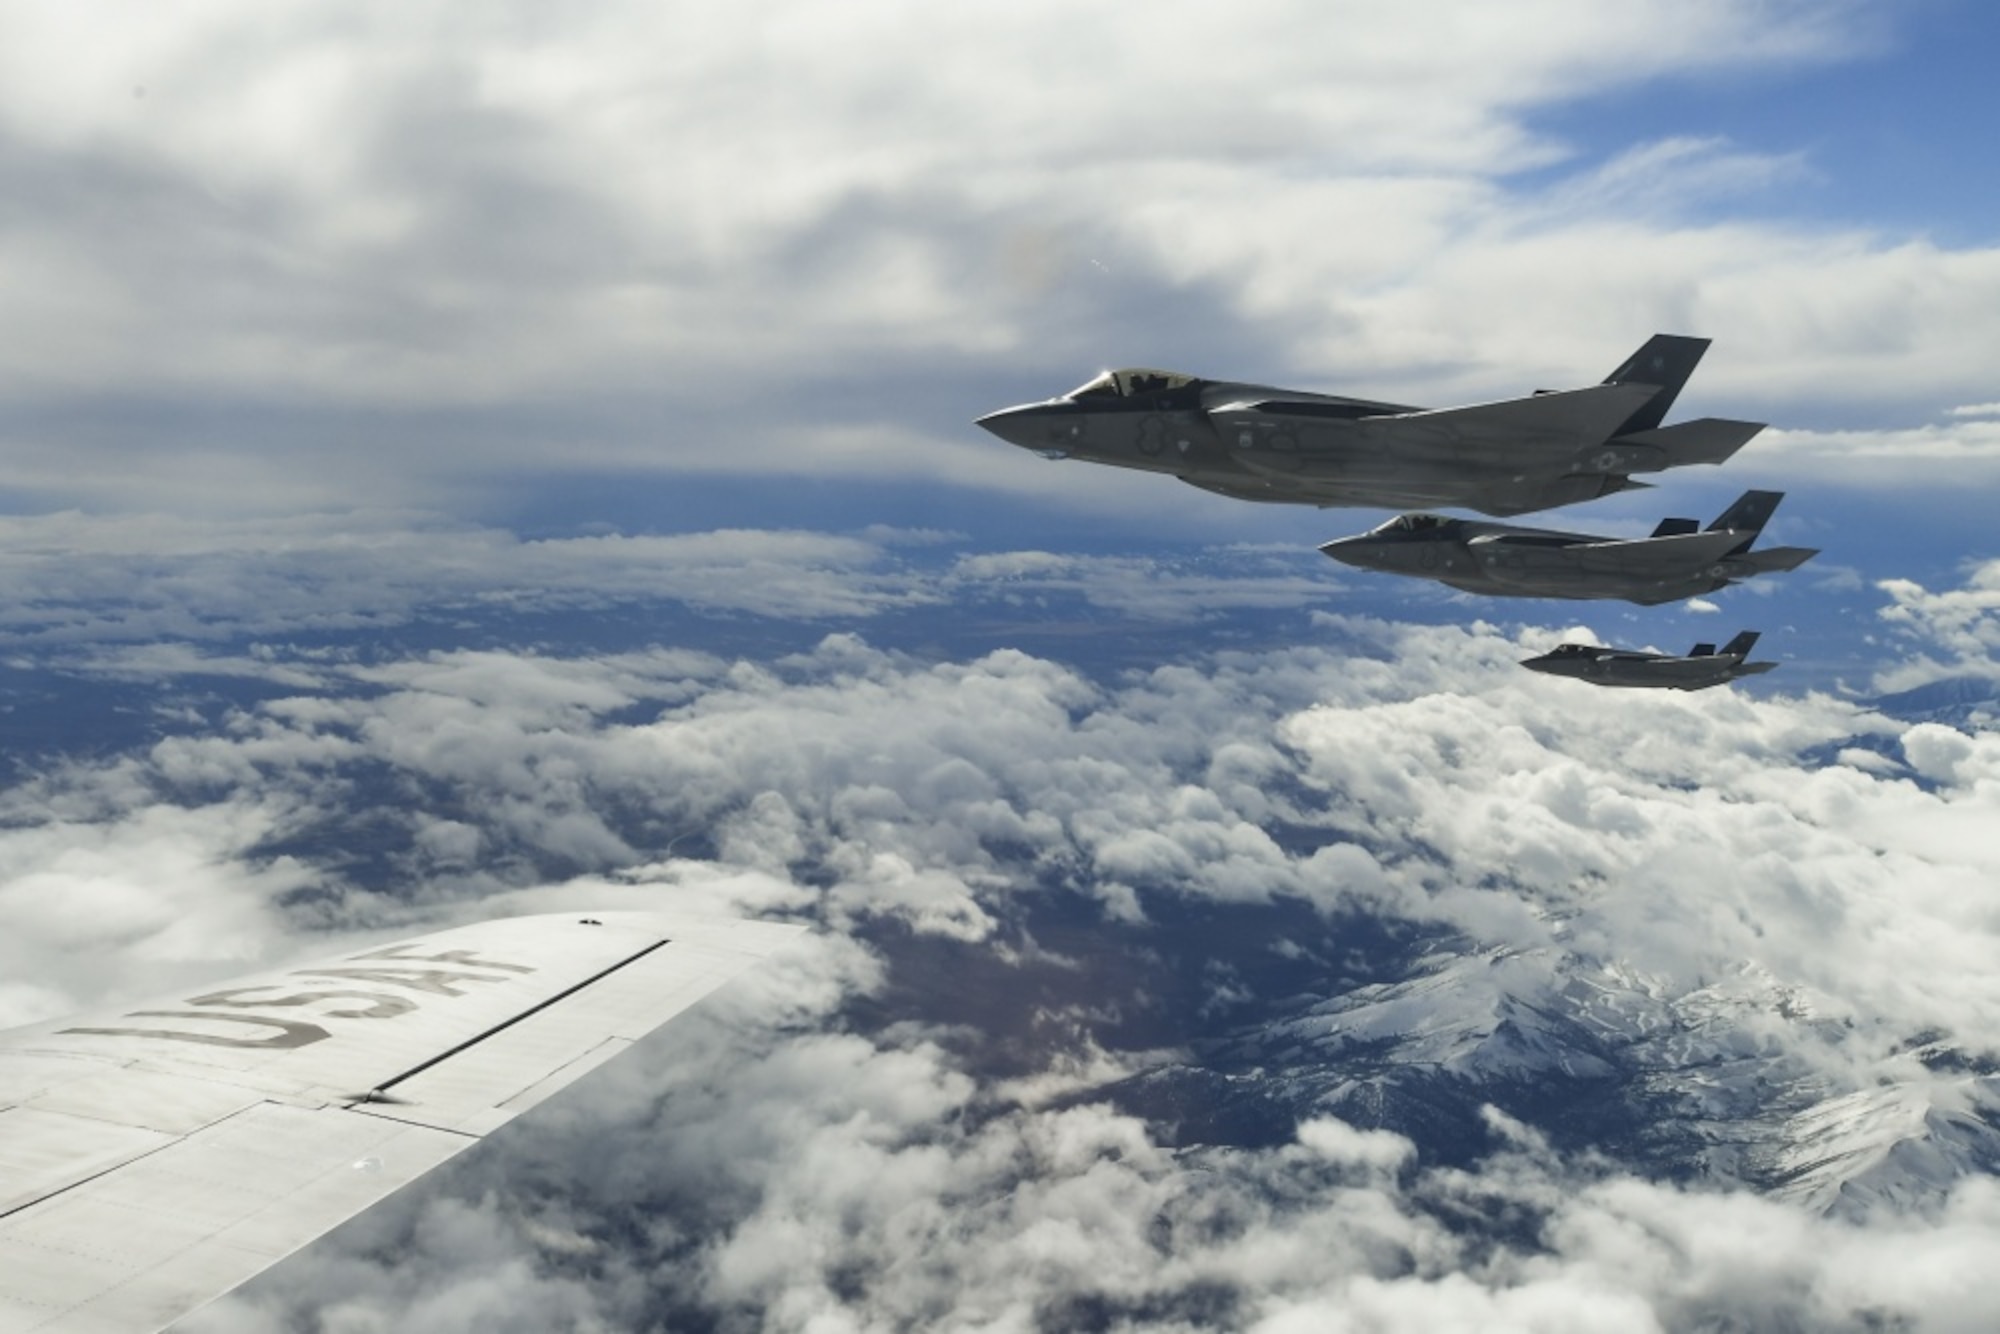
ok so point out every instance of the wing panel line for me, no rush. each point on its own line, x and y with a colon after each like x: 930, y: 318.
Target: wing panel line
x: 377, y: 1093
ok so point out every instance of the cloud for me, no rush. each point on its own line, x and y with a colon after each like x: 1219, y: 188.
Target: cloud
x: 1671, y: 176
x: 1964, y: 623
x: 857, y: 1193
x: 128, y: 597
x: 335, y: 256
x: 73, y: 577
x: 1147, y: 587
x: 1435, y: 782
x: 1688, y: 878
x: 1913, y: 458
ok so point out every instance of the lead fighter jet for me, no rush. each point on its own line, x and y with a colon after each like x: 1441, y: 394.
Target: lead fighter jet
x: 1255, y: 442
x: 1680, y: 559
x: 1700, y: 669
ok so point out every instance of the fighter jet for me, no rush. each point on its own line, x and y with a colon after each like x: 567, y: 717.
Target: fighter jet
x: 1699, y: 670
x: 1679, y: 560
x: 1256, y: 442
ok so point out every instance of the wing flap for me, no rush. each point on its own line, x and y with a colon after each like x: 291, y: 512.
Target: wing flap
x: 148, y: 1099
x: 42, y: 1152
x: 138, y: 1248
x: 488, y: 1084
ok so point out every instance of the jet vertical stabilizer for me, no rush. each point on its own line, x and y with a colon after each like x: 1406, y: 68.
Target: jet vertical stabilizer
x: 1752, y: 510
x: 1666, y: 360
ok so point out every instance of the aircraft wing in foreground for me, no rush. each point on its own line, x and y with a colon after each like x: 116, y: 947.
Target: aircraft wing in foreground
x: 1703, y: 667
x: 1680, y: 560
x: 154, y: 1157
x: 1256, y: 442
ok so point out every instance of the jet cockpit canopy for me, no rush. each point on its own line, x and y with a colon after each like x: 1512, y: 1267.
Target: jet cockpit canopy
x: 1414, y: 523
x: 1130, y: 383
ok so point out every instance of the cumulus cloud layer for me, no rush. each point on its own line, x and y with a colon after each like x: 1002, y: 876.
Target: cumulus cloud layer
x: 787, y: 1164
x: 159, y: 582
x: 1956, y: 631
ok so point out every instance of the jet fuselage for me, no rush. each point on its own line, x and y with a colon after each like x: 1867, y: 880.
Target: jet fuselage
x: 1258, y: 442
x: 1510, y: 561
x: 1322, y: 452
x: 1632, y: 669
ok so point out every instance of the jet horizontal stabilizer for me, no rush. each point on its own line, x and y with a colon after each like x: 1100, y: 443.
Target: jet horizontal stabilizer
x: 1703, y: 440
x: 1775, y: 559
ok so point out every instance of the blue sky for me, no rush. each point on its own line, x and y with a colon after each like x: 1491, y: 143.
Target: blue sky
x: 1888, y: 131
x: 496, y: 274
x: 451, y: 453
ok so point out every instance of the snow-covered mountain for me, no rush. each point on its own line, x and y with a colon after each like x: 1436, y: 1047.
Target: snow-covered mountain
x: 1901, y: 1145
x: 1722, y: 1084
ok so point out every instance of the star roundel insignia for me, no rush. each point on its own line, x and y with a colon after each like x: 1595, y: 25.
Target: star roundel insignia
x: 1152, y: 436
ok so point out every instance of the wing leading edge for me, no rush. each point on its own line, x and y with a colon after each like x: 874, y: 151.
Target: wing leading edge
x: 155, y: 1157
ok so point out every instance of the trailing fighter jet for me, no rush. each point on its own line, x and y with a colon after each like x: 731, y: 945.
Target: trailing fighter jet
x: 1700, y: 669
x: 1680, y: 559
x: 1255, y: 442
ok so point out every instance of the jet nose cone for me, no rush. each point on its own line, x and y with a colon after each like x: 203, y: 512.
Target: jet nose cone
x: 1541, y: 664
x: 1043, y: 427
x: 1009, y: 424
x: 1352, y: 551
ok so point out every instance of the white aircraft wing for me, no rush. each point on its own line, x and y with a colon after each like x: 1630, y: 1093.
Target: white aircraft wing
x: 154, y: 1157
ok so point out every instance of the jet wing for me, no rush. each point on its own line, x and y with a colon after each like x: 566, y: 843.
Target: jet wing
x: 154, y: 1157
x: 1555, y: 423
x: 1271, y: 493
x: 1679, y: 554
